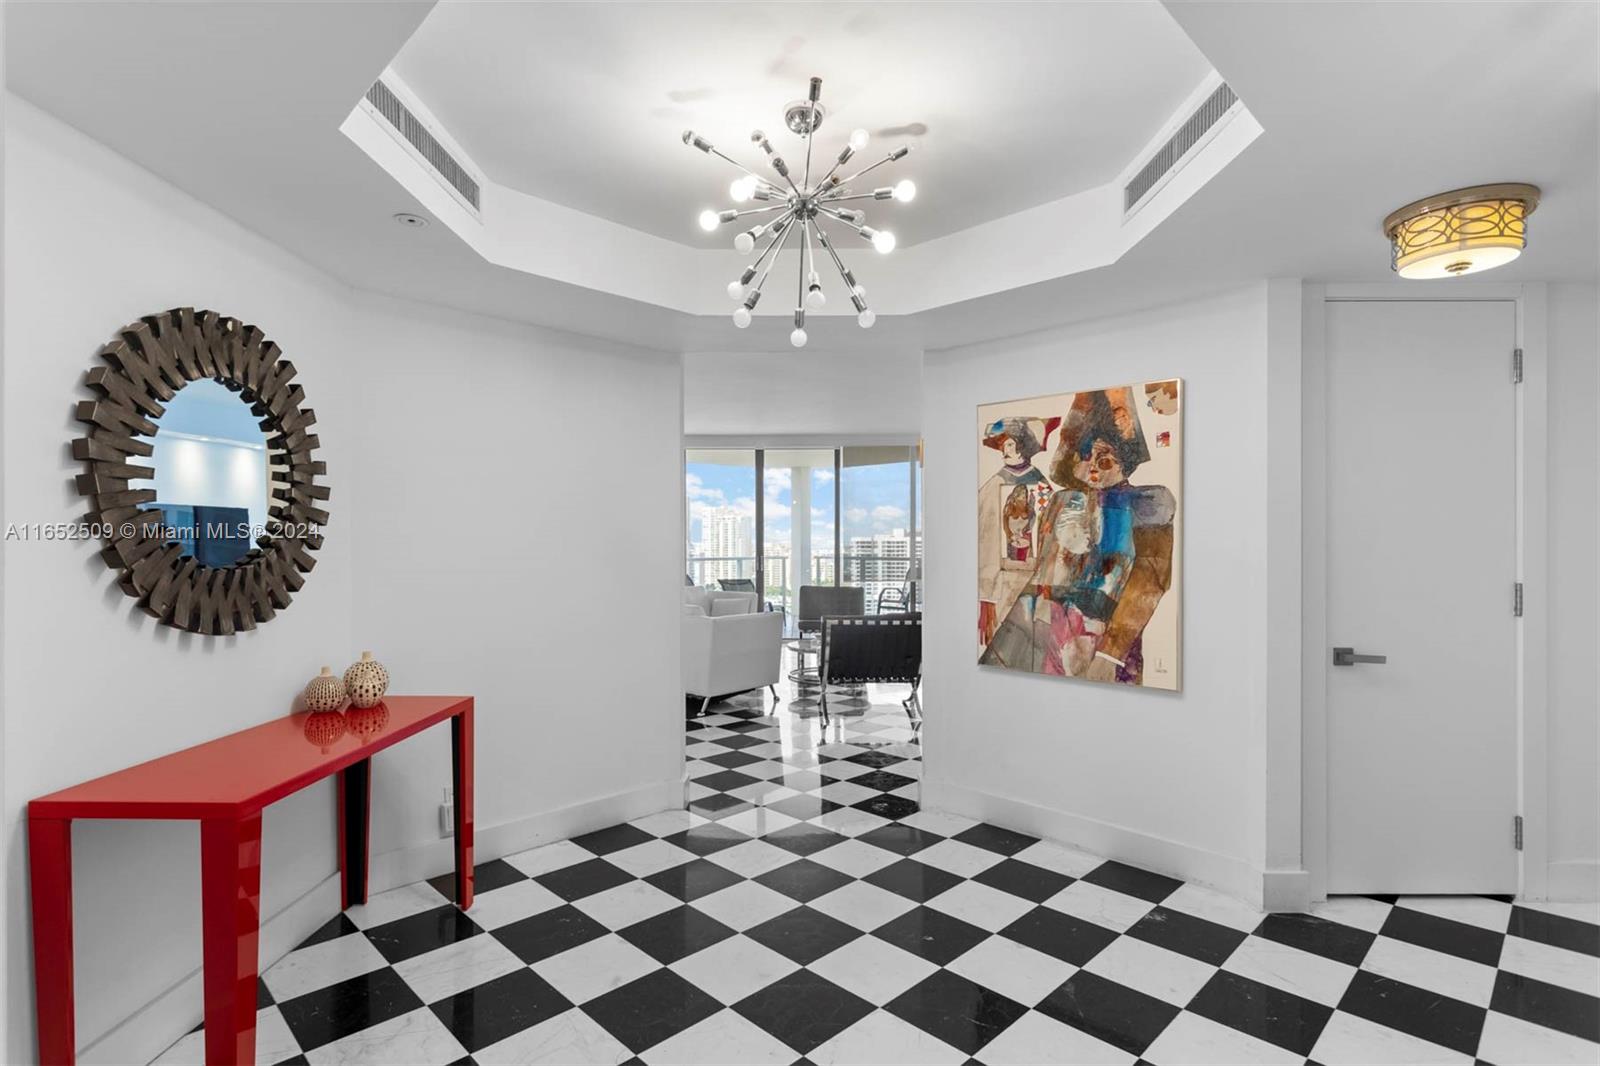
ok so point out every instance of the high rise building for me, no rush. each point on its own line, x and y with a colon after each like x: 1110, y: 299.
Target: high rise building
x: 727, y: 537
x: 878, y: 562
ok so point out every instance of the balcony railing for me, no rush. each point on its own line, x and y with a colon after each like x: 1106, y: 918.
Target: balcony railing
x: 874, y: 572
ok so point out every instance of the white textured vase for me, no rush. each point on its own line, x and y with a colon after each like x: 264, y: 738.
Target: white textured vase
x: 366, y: 681
x: 325, y: 692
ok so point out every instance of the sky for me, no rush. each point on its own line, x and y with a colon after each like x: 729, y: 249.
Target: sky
x: 875, y: 499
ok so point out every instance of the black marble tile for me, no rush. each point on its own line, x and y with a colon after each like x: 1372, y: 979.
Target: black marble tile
x: 1332, y: 940
x: 584, y: 879
x: 707, y: 839
x: 499, y: 1008
x: 1438, y: 1019
x: 1551, y: 1006
x: 337, y: 926
x: 263, y: 995
x: 419, y: 934
x: 1556, y: 930
x: 674, y: 934
x: 1062, y: 936
x: 882, y: 780
x: 803, y: 1010
x: 803, y: 806
x: 693, y: 879
x: 550, y: 933
x: 913, y: 879
x: 801, y: 839
x: 886, y: 806
x: 749, y: 724
x: 719, y: 805
x: 1271, y: 1014
x: 803, y: 935
x: 1023, y: 879
x: 301, y: 1060
x: 1464, y: 941
x: 962, y: 1014
x: 1119, y: 1015
x: 732, y: 760
x: 876, y: 759
x: 612, y: 838
x: 1132, y: 881
x: 993, y: 838
x: 803, y: 880
x: 726, y: 780
x: 644, y: 1012
x: 938, y: 937
x: 486, y: 877
x: 347, y: 1006
x: 1197, y: 938
x: 737, y: 741
x: 900, y: 839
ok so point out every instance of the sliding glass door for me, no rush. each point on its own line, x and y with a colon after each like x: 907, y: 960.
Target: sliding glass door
x: 879, y: 541
x: 720, y: 534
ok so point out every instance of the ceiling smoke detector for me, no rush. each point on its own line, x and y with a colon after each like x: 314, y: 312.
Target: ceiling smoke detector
x: 410, y: 221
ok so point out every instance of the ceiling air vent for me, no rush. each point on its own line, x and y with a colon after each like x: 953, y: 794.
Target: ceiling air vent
x: 1168, y: 156
x: 452, y: 173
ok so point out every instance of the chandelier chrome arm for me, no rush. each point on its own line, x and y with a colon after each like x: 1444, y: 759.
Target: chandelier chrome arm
x: 897, y: 154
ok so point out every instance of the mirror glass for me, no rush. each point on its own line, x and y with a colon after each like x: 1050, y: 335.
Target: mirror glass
x: 211, y: 473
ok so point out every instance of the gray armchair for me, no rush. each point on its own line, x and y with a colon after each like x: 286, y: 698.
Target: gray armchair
x: 818, y: 601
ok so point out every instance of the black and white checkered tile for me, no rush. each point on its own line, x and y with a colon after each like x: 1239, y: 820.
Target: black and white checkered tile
x: 804, y: 909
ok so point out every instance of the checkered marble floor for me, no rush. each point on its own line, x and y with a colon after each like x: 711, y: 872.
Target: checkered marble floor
x: 803, y: 909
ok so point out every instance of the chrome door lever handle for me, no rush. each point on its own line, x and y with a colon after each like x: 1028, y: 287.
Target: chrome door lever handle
x: 1348, y: 657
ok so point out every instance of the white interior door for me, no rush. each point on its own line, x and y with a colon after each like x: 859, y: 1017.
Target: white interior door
x: 1422, y: 525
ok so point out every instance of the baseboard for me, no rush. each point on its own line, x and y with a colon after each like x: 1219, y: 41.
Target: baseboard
x: 1286, y: 890
x: 158, y: 1024
x: 1157, y: 854
x: 1576, y: 880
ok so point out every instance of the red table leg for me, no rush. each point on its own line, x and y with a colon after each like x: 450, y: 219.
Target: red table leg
x: 355, y: 823
x: 461, y: 772
x: 50, y: 870
x: 230, y: 915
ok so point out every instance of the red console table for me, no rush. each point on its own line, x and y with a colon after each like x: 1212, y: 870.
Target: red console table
x: 223, y: 785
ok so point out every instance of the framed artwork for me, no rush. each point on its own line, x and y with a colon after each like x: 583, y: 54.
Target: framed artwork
x: 1080, y: 505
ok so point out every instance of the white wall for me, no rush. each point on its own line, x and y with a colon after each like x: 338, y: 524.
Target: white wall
x: 813, y: 392
x: 440, y: 557
x: 1574, y: 725
x: 1171, y: 781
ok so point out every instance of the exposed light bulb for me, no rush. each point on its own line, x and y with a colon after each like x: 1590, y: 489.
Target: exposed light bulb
x: 709, y: 220
x: 905, y: 191
x: 858, y: 139
x: 798, y: 338
x: 744, y: 243
x: 741, y: 189
x: 735, y: 290
x: 866, y: 318
x: 883, y: 241
x: 741, y: 317
x: 815, y: 299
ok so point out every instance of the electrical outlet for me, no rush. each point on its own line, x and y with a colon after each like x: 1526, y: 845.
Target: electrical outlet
x: 447, y: 815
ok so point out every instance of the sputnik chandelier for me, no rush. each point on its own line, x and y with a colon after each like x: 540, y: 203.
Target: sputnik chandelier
x: 801, y: 208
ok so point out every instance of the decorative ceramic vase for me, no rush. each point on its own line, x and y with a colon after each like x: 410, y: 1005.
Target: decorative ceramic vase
x: 324, y: 728
x: 366, y: 681
x: 325, y: 692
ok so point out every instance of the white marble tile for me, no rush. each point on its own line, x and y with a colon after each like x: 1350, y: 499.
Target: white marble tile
x: 619, y: 907
x: 1038, y: 1040
x: 752, y: 858
x: 764, y: 770
x: 1152, y: 970
x: 512, y: 903
x: 1213, y: 906
x: 846, y: 792
x: 702, y: 749
x: 1307, y: 975
x: 844, y: 771
x: 847, y: 821
x: 1356, y: 911
x: 394, y: 904
x: 666, y: 823
x: 1351, y: 1041
x: 724, y: 1039
x: 1491, y: 914
x: 855, y: 858
x: 548, y: 857
x: 881, y: 1039
x: 696, y: 791
x: 1553, y: 965
x: 1195, y: 1041
x: 320, y: 965
x: 733, y: 968
x: 772, y: 749
x: 274, y: 1043
x: 1436, y: 971
x: 982, y: 906
x: 757, y: 821
x: 912, y: 792
x: 595, y: 968
x: 1105, y: 908
x: 763, y: 793
x: 417, y: 1039
x: 1069, y: 861
x: 1509, y: 1041
x: 862, y: 905
x: 963, y: 860
x: 457, y: 967
x: 1013, y: 970
x: 652, y: 856
x: 565, y: 1040
x: 945, y: 824
x: 872, y: 969
x: 744, y: 905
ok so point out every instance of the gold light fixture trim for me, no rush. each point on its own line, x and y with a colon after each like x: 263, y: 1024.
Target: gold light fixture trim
x: 1462, y: 231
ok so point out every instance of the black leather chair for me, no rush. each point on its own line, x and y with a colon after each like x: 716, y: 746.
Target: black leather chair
x: 873, y: 649
x: 819, y: 600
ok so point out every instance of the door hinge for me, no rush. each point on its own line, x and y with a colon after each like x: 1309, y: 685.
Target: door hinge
x: 1516, y: 832
x: 1516, y: 366
x: 1516, y: 600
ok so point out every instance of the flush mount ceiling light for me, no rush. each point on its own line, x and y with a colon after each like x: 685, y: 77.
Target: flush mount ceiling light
x: 801, y: 207
x: 1461, y: 232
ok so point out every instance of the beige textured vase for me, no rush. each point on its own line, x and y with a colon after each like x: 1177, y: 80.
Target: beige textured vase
x: 366, y: 681
x: 325, y: 692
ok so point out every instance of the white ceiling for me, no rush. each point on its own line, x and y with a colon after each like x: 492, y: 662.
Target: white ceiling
x: 1006, y: 105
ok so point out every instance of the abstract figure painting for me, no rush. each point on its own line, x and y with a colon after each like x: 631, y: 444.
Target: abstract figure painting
x: 1078, y: 548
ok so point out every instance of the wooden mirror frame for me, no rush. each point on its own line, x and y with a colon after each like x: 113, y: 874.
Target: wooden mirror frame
x: 144, y: 366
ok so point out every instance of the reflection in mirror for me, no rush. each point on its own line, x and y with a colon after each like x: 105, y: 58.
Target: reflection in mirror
x: 211, y: 473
